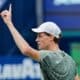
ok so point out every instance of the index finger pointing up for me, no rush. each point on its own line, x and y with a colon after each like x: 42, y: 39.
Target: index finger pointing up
x: 10, y: 8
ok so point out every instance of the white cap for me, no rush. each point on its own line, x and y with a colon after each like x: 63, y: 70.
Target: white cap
x: 48, y: 27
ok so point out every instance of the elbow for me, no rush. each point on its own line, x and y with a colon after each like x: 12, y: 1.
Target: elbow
x: 25, y: 51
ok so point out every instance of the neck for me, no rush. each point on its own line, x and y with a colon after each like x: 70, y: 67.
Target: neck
x: 53, y: 47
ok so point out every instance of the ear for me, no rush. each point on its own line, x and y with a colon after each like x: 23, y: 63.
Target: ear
x: 51, y: 37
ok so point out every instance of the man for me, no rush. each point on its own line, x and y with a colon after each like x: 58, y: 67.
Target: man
x: 55, y: 64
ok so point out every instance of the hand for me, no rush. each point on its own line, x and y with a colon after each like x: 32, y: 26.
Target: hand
x: 6, y: 15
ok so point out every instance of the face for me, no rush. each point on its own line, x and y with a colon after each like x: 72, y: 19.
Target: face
x: 43, y: 40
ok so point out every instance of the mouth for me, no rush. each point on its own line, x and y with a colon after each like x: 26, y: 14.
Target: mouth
x: 38, y: 43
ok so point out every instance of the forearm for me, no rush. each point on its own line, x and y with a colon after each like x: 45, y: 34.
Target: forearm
x: 20, y: 42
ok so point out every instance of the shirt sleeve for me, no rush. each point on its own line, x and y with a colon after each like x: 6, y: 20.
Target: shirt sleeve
x: 50, y: 57
x: 43, y: 54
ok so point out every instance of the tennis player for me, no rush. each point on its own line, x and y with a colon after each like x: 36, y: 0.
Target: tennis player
x: 55, y: 64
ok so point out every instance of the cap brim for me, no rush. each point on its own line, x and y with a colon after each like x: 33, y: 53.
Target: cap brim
x: 37, y: 30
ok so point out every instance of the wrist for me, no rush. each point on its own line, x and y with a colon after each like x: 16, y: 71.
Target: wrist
x: 9, y: 23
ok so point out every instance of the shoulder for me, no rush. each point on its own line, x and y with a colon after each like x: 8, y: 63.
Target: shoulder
x: 44, y: 53
x: 50, y: 57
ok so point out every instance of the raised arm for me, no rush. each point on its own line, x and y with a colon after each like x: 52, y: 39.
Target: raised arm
x: 20, y: 42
